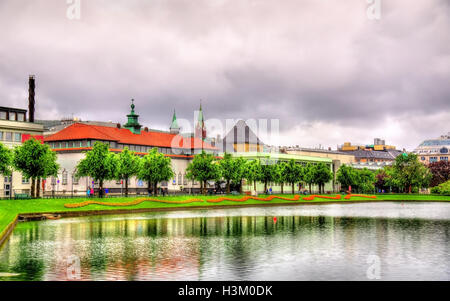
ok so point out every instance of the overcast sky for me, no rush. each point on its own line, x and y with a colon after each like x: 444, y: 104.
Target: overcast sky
x: 322, y: 67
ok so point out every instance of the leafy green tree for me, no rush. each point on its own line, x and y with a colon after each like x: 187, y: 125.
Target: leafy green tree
x: 252, y: 171
x: 228, y: 169
x: 294, y: 173
x: 322, y: 175
x: 6, y: 160
x: 308, y: 175
x: 155, y: 168
x: 280, y: 174
x: 239, y: 172
x: 99, y: 164
x: 203, y: 168
x: 347, y: 176
x: 408, y: 172
x: 127, y: 166
x: 366, y: 180
x: 35, y: 161
x: 267, y: 173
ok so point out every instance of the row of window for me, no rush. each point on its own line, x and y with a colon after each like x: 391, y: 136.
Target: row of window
x: 10, y: 136
x: 13, y: 116
x: 115, y: 145
x: 435, y: 159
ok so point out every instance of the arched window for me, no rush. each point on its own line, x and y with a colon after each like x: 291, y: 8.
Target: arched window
x: 185, y: 180
x: 180, y: 179
x: 64, y: 177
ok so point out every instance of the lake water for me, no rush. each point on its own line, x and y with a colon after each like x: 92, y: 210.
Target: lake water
x: 366, y: 241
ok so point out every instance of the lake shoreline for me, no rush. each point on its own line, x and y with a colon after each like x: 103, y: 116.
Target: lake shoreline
x: 6, y: 232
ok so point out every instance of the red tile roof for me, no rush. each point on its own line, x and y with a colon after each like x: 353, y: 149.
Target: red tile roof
x: 80, y: 131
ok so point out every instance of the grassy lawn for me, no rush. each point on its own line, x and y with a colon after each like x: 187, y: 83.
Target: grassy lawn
x: 9, y: 209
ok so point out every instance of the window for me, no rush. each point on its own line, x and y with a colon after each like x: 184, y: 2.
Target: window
x: 20, y: 117
x: 184, y: 180
x: 423, y: 158
x: 76, y: 180
x: 444, y: 158
x: 8, y: 136
x: 64, y: 178
x: 25, y: 180
x: 12, y: 116
x: 1, y: 136
x: 433, y: 159
x: 180, y: 179
x: 3, y: 115
x: 89, y: 143
x: 18, y: 137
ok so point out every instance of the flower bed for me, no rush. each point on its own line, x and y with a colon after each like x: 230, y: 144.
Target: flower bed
x: 349, y: 196
x: 132, y: 203
x: 312, y: 197
x: 218, y: 200
x: 246, y: 198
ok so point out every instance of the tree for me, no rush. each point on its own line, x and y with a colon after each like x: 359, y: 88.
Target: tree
x: 239, y: 172
x: 322, y: 175
x: 366, y: 180
x: 308, y: 175
x: 203, y: 168
x: 440, y: 171
x: 252, y: 171
x: 294, y: 173
x: 228, y: 168
x: 6, y: 160
x: 381, y: 179
x: 408, y: 172
x: 155, y: 168
x: 267, y: 173
x: 35, y: 160
x: 127, y: 166
x: 99, y: 164
x: 280, y: 174
x: 347, y: 176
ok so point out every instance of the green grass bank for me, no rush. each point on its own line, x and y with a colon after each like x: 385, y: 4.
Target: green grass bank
x: 11, y: 209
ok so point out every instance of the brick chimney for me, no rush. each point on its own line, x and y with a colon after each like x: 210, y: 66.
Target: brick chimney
x: 31, y: 101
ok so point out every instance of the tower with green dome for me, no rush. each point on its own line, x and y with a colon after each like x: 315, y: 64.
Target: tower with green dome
x: 133, y: 121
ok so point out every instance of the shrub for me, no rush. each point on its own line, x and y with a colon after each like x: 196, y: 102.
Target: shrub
x: 443, y: 188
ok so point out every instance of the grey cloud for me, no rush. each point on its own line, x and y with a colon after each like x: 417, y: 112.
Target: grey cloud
x: 305, y: 62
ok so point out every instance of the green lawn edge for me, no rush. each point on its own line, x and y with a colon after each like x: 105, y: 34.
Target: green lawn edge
x: 11, y: 209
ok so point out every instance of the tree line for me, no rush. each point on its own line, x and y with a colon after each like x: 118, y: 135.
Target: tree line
x: 36, y: 161
x: 406, y: 175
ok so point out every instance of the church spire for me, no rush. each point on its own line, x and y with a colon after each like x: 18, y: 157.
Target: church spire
x: 133, y: 121
x: 200, y: 128
x: 174, y: 128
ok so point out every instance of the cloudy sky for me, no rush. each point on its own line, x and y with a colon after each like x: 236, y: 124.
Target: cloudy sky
x: 326, y: 71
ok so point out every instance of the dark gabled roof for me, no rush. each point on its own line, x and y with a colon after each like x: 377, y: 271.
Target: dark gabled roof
x: 389, y: 154
x: 240, y: 134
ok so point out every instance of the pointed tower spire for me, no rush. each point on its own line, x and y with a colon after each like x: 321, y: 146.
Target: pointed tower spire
x: 174, y: 128
x: 133, y: 121
x: 200, y: 128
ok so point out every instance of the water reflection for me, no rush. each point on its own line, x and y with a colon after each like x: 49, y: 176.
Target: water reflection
x: 229, y: 247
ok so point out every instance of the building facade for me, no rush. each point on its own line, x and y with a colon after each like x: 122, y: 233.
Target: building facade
x: 14, y: 130
x: 73, y: 141
x: 434, y: 150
